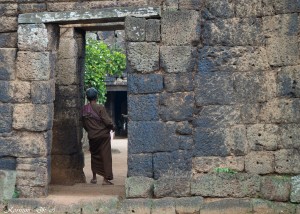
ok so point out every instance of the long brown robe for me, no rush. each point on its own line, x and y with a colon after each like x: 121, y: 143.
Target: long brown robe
x: 98, y: 124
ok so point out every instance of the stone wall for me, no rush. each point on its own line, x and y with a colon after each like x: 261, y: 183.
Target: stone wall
x: 212, y: 84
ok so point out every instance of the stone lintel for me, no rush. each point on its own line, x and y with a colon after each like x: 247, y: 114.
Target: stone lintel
x: 112, y: 14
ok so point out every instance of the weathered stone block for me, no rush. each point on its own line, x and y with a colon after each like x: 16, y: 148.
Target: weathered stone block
x: 190, y: 4
x: 5, y: 118
x: 275, y: 188
x: 289, y: 136
x: 33, y: 65
x: 164, y: 205
x: 255, y: 8
x: 184, y: 128
x: 288, y: 81
x: 287, y: 161
x: 236, y: 140
x: 170, y: 5
x: 172, y: 187
x: 72, y: 161
x: 226, y: 185
x: 139, y: 131
x: 135, y: 29
x: 6, y: 93
x: 33, y: 117
x: 32, y: 8
x: 255, y: 87
x: 220, y: 8
x: 143, y: 57
x: 67, y: 72
x: 139, y: 187
x: 210, y: 142
x: 7, y: 9
x: 176, y: 106
x: 184, y: 142
x: 39, y: 177
x: 179, y: 82
x: 283, y: 50
x: 216, y: 116
x: 208, y: 164
x: 180, y: 27
x: 8, y: 24
x: 7, y: 184
x: 260, y: 162
x: 268, y: 207
x: 234, y: 32
x: 32, y: 37
x: 7, y: 63
x: 227, y: 206
x: 286, y: 6
x: 187, y: 205
x: 33, y: 192
x: 153, y: 30
x: 21, y: 91
x: 43, y: 91
x: 214, y: 88
x: 172, y: 164
x: 177, y: 59
x: 26, y: 144
x: 229, y: 59
x: 142, y: 84
x: 263, y: 137
x: 68, y: 49
x: 140, y: 206
x: 8, y: 40
x: 280, y: 111
x: 140, y: 165
x: 249, y: 113
x: 295, y: 189
x: 8, y: 163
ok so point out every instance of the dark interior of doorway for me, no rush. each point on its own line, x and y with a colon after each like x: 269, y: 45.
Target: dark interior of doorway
x: 116, y: 106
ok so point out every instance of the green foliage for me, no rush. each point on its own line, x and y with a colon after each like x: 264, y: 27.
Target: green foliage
x: 101, y: 61
x: 226, y: 170
x: 16, y: 193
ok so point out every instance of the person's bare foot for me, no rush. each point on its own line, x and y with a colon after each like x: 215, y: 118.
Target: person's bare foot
x: 106, y: 182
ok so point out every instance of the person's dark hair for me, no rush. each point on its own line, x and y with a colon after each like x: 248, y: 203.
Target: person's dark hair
x: 91, y: 94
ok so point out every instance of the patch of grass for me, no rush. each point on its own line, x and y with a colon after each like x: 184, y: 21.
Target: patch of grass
x: 225, y: 170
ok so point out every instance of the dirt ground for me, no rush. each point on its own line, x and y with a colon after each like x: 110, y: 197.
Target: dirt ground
x: 85, y: 192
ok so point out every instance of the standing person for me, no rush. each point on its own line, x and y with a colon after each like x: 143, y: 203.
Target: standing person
x: 98, y: 125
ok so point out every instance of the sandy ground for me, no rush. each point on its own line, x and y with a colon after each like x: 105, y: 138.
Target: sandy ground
x: 85, y: 192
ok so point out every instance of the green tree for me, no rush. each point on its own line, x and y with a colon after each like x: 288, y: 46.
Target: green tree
x: 101, y: 61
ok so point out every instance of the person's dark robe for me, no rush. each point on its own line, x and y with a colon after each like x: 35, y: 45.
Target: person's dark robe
x: 98, y: 124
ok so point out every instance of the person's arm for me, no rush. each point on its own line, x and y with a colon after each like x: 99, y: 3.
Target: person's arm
x: 106, y: 119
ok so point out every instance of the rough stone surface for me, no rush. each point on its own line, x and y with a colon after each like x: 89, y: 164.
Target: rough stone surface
x: 295, y: 189
x: 223, y: 184
x: 176, y: 106
x: 220, y: 9
x: 33, y: 117
x: 227, y: 206
x: 289, y: 136
x: 43, y: 92
x: 32, y: 37
x: 255, y: 8
x: 260, y: 162
x: 287, y: 161
x: 135, y: 29
x: 8, y: 40
x: 21, y: 91
x: 68, y: 48
x: 180, y: 82
x: 8, y: 163
x: 288, y: 81
x: 67, y: 72
x: 229, y: 59
x: 33, y: 65
x: 6, y: 93
x: 147, y: 83
x: 7, y: 184
x: 172, y: 187
x: 8, y: 24
x: 139, y: 187
x: 172, y: 164
x: 275, y: 188
x: 184, y: 128
x: 165, y: 205
x: 140, y: 165
x: 7, y: 63
x: 267, y: 207
x: 177, y: 59
x: 5, y: 118
x: 209, y: 164
x: 143, y: 57
x: 136, y: 206
x: 153, y: 30
x: 263, y: 137
x: 186, y: 205
x: 180, y: 27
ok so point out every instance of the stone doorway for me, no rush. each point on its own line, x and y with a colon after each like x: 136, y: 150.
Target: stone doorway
x: 65, y: 159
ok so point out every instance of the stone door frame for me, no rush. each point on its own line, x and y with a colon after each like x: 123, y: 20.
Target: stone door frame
x: 37, y: 34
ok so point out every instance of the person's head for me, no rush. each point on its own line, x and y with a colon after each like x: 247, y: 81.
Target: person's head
x: 91, y: 94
